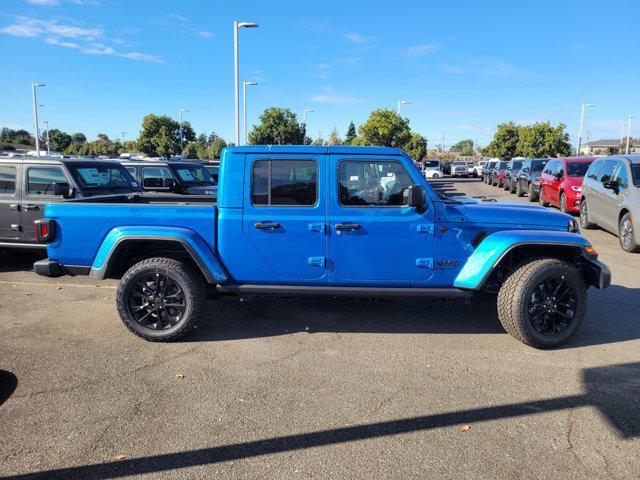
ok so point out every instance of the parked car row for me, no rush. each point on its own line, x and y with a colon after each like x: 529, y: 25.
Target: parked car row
x: 604, y: 191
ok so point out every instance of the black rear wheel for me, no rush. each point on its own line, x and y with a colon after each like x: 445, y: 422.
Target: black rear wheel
x: 160, y: 299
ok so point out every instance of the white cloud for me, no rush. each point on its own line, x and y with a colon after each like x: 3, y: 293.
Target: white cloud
x: 415, y: 51
x: 358, y: 38
x: 328, y: 97
x: 88, y: 41
x: 44, y: 2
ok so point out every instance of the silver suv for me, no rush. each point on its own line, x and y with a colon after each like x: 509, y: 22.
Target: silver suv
x: 611, y: 198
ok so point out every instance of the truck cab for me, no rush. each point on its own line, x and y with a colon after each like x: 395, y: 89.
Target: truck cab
x: 329, y: 221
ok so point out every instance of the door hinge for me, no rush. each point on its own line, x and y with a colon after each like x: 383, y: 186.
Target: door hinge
x: 425, y: 228
x: 315, y: 261
x: 424, y: 262
x: 317, y: 227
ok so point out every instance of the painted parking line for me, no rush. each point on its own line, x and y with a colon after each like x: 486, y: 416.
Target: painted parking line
x: 64, y: 285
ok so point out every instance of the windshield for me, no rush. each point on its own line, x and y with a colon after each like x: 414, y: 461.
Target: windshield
x: 577, y: 169
x: 635, y: 174
x: 100, y: 179
x: 459, y: 164
x: 537, y: 166
x: 194, y: 175
x: 431, y: 163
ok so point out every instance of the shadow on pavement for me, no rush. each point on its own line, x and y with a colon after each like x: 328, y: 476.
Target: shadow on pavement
x: 613, y: 390
x: 8, y: 385
x: 19, y: 260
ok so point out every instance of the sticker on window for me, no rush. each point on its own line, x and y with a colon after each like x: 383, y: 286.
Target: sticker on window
x: 186, y: 175
x: 353, y: 178
x: 92, y: 176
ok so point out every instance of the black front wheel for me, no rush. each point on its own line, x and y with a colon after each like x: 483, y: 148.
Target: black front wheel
x: 519, y: 191
x: 584, y: 216
x: 161, y: 299
x: 542, y: 303
x: 626, y: 234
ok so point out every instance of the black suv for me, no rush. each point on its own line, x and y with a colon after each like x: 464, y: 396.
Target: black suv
x: 511, y: 174
x: 28, y: 183
x: 178, y: 176
x: 528, y: 180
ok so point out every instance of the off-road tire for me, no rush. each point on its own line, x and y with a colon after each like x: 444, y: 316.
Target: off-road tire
x: 516, y: 291
x: 188, y: 279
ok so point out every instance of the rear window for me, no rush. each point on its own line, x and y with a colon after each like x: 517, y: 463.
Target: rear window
x: 7, y: 179
x: 577, y: 169
x: 284, y: 182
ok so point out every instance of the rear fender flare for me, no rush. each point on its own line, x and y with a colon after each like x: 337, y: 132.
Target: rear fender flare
x: 193, y: 243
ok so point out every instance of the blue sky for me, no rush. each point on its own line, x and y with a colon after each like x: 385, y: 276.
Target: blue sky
x: 465, y: 66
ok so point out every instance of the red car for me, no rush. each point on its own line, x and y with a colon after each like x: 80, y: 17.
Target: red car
x: 561, y: 182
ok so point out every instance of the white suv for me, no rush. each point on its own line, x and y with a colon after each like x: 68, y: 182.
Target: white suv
x: 432, y: 168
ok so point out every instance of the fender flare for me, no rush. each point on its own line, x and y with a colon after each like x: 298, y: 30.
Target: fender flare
x: 493, y: 248
x: 194, y: 244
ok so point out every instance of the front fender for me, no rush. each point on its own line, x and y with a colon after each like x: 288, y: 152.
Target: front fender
x: 495, y: 246
x: 195, y: 245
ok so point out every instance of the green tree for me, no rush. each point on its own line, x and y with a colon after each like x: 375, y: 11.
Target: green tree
x: 463, y: 147
x: 59, y: 141
x: 104, y: 137
x: 79, y: 137
x: 129, y: 146
x: 215, y: 148
x: 334, y: 138
x: 278, y: 126
x: 160, y: 136
x: 191, y: 150
x: 351, y: 134
x: 385, y: 128
x: 416, y: 147
x: 543, y: 140
x: 505, y: 141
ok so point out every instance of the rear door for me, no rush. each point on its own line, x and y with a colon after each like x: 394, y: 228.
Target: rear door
x: 285, y: 215
x: 38, y: 182
x: 10, y: 225
x: 375, y: 238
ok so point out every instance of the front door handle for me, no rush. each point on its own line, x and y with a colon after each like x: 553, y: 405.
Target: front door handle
x: 14, y: 206
x: 266, y: 225
x: 31, y: 206
x: 347, y: 226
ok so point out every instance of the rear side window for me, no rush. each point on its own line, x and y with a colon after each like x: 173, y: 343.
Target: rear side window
x: 607, y: 171
x: 284, y: 183
x: 7, y: 179
x: 372, y: 184
x: 40, y: 180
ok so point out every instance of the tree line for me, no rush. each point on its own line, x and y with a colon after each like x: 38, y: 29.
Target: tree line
x: 160, y: 136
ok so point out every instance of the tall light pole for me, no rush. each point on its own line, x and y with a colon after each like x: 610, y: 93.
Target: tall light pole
x: 304, y: 122
x: 46, y: 124
x: 402, y: 102
x: 584, y: 105
x: 182, y: 110
x: 628, y: 133
x: 244, y: 106
x: 122, y: 134
x: 236, y: 68
x: 35, y: 116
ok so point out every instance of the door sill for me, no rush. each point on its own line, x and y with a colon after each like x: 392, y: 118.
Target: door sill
x: 370, y: 292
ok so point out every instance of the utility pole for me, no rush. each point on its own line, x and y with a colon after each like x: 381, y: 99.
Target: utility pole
x: 584, y: 105
x: 46, y: 123
x: 628, y: 133
x: 35, y: 116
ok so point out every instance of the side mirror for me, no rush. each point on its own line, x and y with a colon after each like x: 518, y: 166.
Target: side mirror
x: 559, y: 176
x: 416, y: 196
x: 611, y: 185
x: 61, y: 189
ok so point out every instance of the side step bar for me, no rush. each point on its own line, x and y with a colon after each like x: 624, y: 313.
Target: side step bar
x: 367, y: 292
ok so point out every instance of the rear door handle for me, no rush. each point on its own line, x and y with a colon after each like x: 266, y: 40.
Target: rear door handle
x: 266, y: 225
x: 347, y: 226
x: 31, y: 206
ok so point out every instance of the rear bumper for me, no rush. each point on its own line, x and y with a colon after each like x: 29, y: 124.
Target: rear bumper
x: 52, y: 268
x: 597, y: 274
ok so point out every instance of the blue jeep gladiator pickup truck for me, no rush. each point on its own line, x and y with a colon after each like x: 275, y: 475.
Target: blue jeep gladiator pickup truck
x: 331, y: 221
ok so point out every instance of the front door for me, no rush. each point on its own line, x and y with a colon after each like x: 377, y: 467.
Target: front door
x: 9, y: 203
x: 39, y: 181
x: 284, y: 217
x: 375, y: 238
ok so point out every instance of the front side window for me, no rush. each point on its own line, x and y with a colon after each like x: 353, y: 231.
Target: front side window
x: 538, y: 166
x: 593, y: 171
x: 372, y: 184
x: 284, y: 183
x: 607, y: 171
x: 550, y: 168
x: 40, y: 180
x: 620, y: 175
x: 577, y: 169
x: 7, y: 179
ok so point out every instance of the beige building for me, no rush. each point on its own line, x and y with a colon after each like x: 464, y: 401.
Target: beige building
x: 609, y: 147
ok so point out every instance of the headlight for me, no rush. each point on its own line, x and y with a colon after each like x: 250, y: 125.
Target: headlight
x: 572, y: 226
x: 576, y: 189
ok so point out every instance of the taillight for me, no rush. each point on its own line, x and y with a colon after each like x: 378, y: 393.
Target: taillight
x: 45, y: 230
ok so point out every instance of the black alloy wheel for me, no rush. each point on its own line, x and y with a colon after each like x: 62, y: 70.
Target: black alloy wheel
x: 156, y: 301
x: 552, y: 306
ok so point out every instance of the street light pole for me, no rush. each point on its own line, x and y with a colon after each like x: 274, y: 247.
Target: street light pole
x: 402, y: 102
x: 304, y: 121
x: 46, y: 123
x: 236, y: 73
x: 628, y: 133
x: 182, y: 110
x: 244, y: 106
x: 584, y: 105
x: 35, y: 116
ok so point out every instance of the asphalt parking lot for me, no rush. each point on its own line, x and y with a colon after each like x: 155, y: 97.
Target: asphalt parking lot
x: 287, y: 388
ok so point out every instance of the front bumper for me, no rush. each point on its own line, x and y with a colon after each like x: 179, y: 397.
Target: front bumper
x: 573, y: 201
x: 596, y: 274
